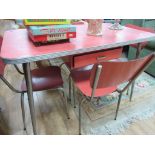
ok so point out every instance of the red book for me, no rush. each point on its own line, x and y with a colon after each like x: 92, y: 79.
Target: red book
x: 52, y: 37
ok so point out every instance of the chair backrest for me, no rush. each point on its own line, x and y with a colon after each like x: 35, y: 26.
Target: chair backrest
x: 114, y: 73
x: 2, y: 65
x: 147, y: 29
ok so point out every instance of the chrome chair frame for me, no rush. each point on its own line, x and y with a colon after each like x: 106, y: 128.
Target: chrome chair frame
x: 22, y: 99
x: 120, y: 91
x: 18, y: 70
x: 71, y: 86
x: 70, y: 97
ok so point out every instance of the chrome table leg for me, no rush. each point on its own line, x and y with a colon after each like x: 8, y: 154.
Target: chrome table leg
x: 28, y: 79
x: 137, y: 56
x: 70, y: 88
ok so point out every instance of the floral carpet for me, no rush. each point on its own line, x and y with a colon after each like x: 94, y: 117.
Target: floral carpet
x: 101, y: 114
x: 141, y: 107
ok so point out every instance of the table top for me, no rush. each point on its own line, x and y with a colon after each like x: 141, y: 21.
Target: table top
x: 17, y: 48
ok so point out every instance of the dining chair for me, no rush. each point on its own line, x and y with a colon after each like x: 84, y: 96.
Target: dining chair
x: 139, y: 48
x: 104, y: 77
x: 82, y: 60
x: 45, y: 78
x: 143, y: 44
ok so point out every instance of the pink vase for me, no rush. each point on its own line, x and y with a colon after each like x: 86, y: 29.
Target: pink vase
x: 95, y: 27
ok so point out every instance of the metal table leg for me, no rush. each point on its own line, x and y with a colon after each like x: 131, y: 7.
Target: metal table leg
x: 138, y: 50
x: 28, y: 79
x: 137, y: 56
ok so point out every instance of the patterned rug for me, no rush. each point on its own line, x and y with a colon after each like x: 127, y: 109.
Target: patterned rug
x: 101, y: 114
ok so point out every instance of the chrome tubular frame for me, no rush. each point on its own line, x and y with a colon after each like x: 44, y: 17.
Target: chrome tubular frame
x: 97, y: 75
x: 28, y: 80
x: 98, y: 72
x: 23, y: 110
x: 18, y: 70
x: 137, y: 56
x: 9, y: 85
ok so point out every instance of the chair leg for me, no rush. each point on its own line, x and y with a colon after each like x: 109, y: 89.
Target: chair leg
x: 66, y: 105
x: 80, y: 124
x: 74, y: 98
x: 18, y: 70
x: 23, y: 110
x: 132, y: 88
x: 118, y: 104
x: 127, y: 93
x: 70, y: 88
x: 80, y: 118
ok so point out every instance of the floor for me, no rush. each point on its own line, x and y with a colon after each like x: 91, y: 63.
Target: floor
x: 50, y: 114
x: 145, y: 127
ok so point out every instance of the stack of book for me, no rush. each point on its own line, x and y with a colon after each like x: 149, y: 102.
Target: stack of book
x: 50, y: 30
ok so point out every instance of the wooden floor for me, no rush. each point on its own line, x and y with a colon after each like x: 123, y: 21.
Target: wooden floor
x: 145, y: 127
x: 50, y: 114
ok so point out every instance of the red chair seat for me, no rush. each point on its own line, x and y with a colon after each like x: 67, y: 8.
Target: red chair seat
x: 45, y: 78
x: 81, y: 78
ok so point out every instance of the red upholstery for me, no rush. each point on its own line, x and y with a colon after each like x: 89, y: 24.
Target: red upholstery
x: 45, y: 78
x: 81, y: 78
x: 2, y: 65
x: 140, y: 28
x: 81, y: 74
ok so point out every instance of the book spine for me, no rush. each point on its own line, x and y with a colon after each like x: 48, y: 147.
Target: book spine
x: 35, y: 39
x: 52, y: 30
x: 53, y: 37
x: 38, y: 22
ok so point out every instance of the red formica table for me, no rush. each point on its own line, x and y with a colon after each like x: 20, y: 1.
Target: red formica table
x: 18, y: 49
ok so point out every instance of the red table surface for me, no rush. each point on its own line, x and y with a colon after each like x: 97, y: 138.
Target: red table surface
x: 17, y: 48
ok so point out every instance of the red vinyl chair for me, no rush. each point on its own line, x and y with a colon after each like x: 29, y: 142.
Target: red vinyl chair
x: 104, y: 77
x: 44, y: 78
x: 143, y: 44
x: 81, y: 60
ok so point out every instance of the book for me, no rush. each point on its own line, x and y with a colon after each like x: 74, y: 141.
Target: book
x: 52, y: 29
x: 46, y: 21
x: 52, y: 37
x: 77, y: 22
